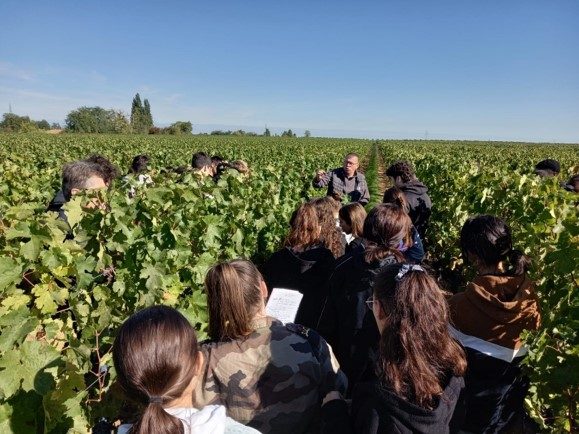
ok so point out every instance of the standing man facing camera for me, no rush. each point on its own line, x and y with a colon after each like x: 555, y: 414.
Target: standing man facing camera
x: 345, y: 181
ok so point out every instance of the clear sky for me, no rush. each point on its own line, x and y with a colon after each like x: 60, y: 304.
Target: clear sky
x: 493, y: 69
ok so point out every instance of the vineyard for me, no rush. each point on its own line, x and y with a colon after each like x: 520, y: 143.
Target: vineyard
x: 62, y: 300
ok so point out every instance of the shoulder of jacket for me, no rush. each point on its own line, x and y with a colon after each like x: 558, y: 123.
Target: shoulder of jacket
x: 310, y: 335
x: 360, y: 176
x: 298, y: 329
x: 345, y: 259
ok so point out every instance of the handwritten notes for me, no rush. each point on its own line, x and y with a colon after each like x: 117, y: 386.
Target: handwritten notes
x: 283, y: 304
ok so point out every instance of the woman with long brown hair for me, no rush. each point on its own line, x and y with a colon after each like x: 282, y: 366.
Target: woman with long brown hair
x: 417, y: 381
x: 346, y: 321
x: 303, y: 264
x: 331, y: 236
x: 268, y: 375
x: 158, y: 362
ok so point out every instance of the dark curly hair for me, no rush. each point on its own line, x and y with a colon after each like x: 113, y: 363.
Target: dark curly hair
x: 403, y: 169
x: 107, y: 169
x: 139, y: 164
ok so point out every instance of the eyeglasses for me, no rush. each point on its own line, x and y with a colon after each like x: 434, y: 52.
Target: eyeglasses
x: 370, y: 302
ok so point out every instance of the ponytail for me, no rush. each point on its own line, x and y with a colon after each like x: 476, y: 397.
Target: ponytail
x: 519, y: 262
x: 376, y: 252
x: 396, y: 197
x: 489, y: 239
x: 155, y: 419
x: 233, y: 297
x: 155, y: 355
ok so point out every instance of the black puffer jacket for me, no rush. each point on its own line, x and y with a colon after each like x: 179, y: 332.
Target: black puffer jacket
x: 347, y: 323
x: 307, y: 272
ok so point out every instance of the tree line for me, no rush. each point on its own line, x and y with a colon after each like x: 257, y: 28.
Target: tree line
x: 12, y: 123
x: 140, y: 121
x: 111, y: 121
x: 99, y: 120
x: 266, y: 133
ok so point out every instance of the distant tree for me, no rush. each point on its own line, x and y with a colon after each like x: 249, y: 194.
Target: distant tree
x: 307, y: 133
x: 43, y: 124
x: 14, y: 123
x: 139, y: 123
x: 180, y: 127
x: 267, y: 133
x: 119, y: 122
x: 288, y: 133
x: 96, y: 120
x: 55, y: 126
x: 147, y: 116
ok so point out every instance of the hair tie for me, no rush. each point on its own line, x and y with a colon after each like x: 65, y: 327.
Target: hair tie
x: 155, y: 399
x: 405, y: 269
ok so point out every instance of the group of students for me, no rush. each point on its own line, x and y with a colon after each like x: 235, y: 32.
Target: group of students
x: 97, y: 172
x: 376, y: 347
x: 550, y: 168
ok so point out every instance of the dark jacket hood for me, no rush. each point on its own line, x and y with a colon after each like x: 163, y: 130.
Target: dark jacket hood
x: 414, y: 187
x: 408, y: 417
x: 301, y: 262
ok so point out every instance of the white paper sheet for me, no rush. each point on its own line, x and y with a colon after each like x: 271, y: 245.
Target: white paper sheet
x: 283, y: 304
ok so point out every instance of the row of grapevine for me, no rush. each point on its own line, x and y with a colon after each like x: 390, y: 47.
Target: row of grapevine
x: 62, y: 301
x: 468, y: 179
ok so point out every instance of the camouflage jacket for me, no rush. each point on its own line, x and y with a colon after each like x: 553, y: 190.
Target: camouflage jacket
x: 273, y: 380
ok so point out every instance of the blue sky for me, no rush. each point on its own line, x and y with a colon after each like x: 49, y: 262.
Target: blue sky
x: 504, y: 70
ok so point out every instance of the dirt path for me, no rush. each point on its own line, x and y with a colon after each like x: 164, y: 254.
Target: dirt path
x: 383, y: 180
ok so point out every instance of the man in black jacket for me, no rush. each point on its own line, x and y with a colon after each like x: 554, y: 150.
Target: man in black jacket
x: 403, y: 177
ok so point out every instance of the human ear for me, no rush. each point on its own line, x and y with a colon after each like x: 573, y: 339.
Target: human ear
x: 199, y: 363
x: 264, y: 291
x: 379, y: 311
x: 379, y: 316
